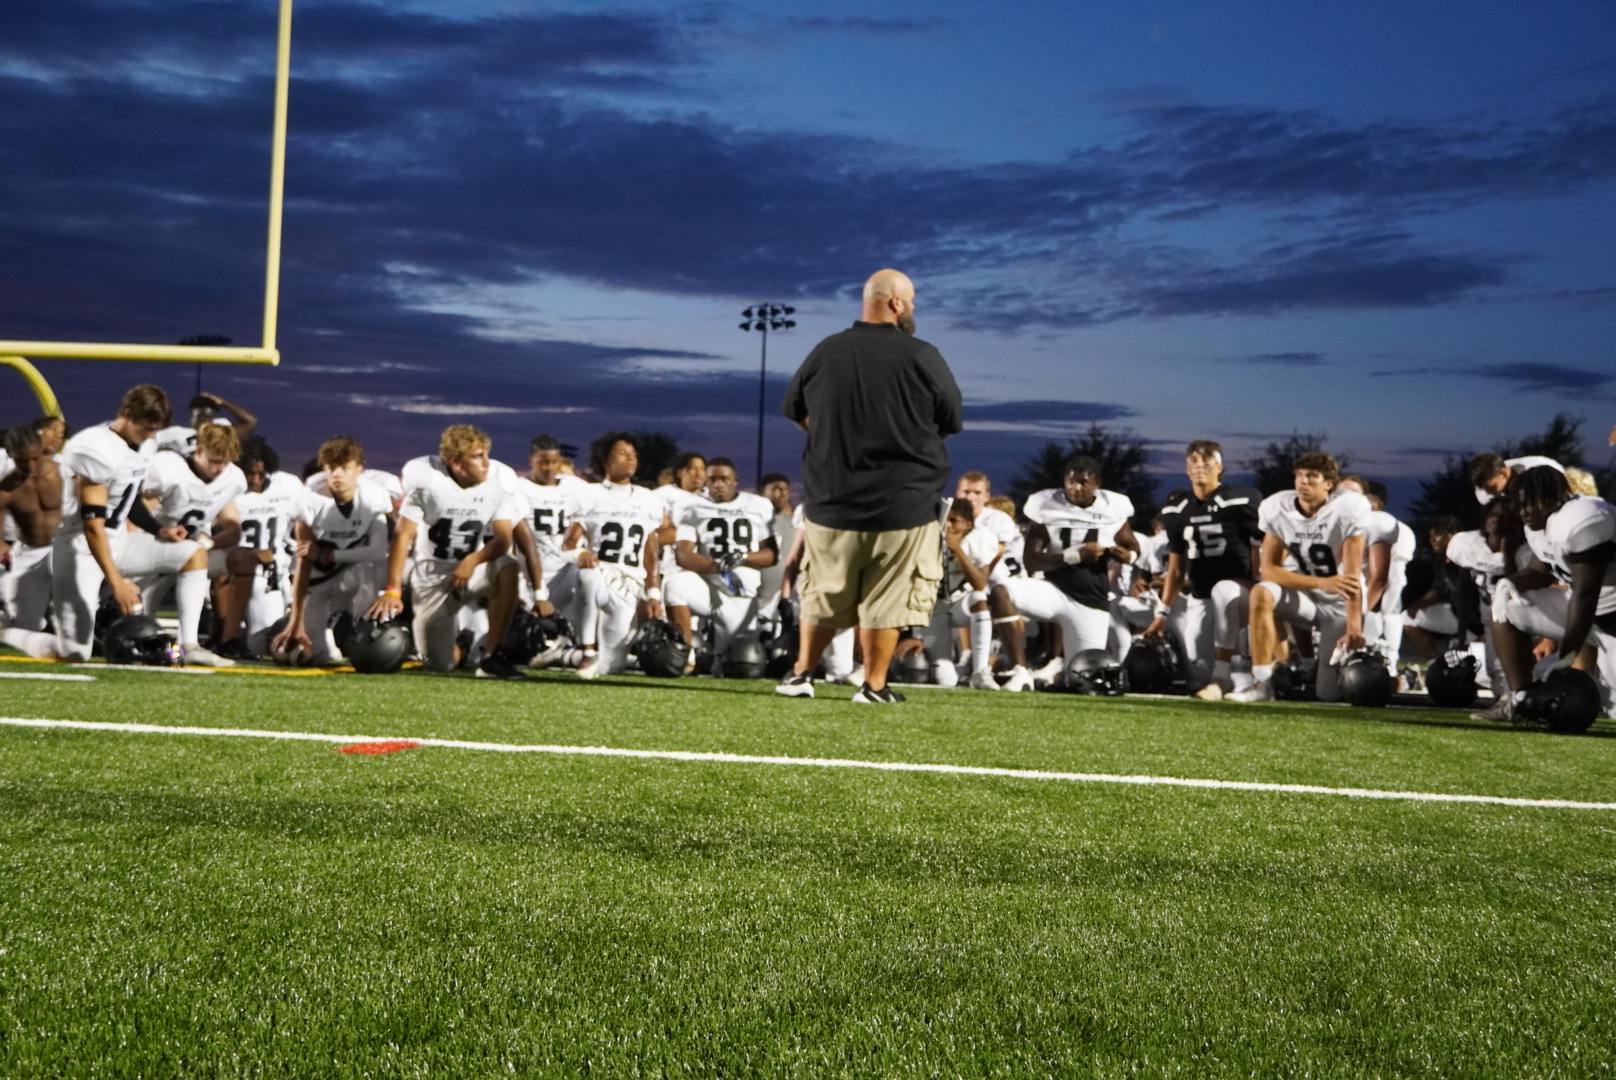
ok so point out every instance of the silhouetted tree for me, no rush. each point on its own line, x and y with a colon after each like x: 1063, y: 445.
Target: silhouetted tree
x: 1275, y: 467
x: 1449, y: 490
x: 1124, y: 463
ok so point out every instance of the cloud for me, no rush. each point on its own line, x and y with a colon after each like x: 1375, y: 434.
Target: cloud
x: 498, y: 149
x: 424, y: 405
x: 1281, y: 359
x: 854, y: 24
x: 1043, y: 412
x: 1551, y: 377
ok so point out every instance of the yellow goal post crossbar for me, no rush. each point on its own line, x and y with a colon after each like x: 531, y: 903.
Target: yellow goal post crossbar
x: 12, y: 353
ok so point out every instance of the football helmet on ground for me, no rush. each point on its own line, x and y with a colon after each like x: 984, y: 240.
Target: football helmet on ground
x: 1092, y: 672
x: 661, y: 649
x: 140, y: 639
x: 377, y: 648
x: 1566, y: 702
x: 1450, y: 681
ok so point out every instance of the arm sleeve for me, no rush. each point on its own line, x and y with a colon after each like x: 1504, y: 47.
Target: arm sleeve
x: 950, y: 412
x: 795, y: 404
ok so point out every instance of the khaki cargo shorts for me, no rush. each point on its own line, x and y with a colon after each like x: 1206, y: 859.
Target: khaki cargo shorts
x: 877, y: 580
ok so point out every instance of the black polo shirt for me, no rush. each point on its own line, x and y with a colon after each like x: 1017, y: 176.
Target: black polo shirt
x: 879, y: 404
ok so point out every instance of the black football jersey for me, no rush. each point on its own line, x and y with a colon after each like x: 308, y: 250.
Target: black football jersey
x: 1214, y: 535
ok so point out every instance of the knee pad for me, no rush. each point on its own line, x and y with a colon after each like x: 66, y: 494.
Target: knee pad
x: 1226, y: 592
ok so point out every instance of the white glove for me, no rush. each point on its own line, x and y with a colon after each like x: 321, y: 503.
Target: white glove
x: 1503, y: 593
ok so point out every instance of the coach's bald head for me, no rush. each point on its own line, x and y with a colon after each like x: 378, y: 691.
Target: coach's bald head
x: 889, y: 297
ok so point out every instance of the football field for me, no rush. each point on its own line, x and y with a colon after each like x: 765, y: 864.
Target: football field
x: 501, y: 902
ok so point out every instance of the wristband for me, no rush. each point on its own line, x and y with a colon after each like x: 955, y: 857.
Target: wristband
x: 396, y: 594
x: 652, y: 593
x: 1072, y: 555
x: 1162, y: 610
x: 1128, y: 555
x: 542, y: 593
x: 204, y: 541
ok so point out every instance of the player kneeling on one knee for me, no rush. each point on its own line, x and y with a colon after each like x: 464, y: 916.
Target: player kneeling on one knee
x: 1322, y: 531
x: 445, y: 517
x: 968, y: 553
x: 723, y: 541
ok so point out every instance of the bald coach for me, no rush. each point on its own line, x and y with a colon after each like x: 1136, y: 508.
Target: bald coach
x: 877, y: 403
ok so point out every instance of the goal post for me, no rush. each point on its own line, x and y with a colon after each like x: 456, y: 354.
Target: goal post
x: 14, y: 354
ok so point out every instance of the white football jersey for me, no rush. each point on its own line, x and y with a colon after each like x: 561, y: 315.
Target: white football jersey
x: 98, y: 455
x: 1070, y: 525
x: 1002, y: 527
x: 1470, y: 551
x: 453, y: 520
x: 1315, y: 542
x: 266, y: 524
x: 1519, y: 465
x: 359, y: 531
x: 5, y: 464
x: 616, y: 519
x: 1584, y: 526
x: 383, y: 483
x: 674, y: 497
x: 1385, y: 529
x: 184, y: 498
x: 716, y: 528
x: 547, y: 514
x: 981, y: 546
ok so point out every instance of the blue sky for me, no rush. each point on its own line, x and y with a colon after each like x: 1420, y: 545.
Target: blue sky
x: 1391, y: 223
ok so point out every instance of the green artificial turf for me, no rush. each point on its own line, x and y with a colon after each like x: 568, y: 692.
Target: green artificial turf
x: 222, y: 907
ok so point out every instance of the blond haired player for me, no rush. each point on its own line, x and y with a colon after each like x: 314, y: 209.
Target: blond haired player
x: 447, y: 511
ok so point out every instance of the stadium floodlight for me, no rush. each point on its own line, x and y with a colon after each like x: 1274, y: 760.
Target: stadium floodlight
x: 14, y: 354
x: 764, y: 318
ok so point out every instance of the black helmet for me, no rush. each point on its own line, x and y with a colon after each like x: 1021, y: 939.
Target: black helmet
x: 1567, y: 702
x: 341, y: 624
x: 108, y: 613
x: 528, y: 635
x: 1450, y: 681
x: 1151, y: 667
x: 1092, y: 672
x: 912, y: 669
x: 1364, y: 680
x: 377, y: 648
x: 745, y: 660
x: 139, y: 639
x: 1296, y: 680
x: 661, y: 648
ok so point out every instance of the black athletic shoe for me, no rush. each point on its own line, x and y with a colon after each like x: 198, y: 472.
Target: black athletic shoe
x: 495, y: 666
x: 884, y: 696
x: 794, y: 685
x: 235, y: 649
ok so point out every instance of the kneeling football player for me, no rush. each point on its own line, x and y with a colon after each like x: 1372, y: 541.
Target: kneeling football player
x: 445, y: 516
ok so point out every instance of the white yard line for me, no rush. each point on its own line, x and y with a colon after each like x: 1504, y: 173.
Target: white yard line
x: 46, y: 676
x: 821, y: 763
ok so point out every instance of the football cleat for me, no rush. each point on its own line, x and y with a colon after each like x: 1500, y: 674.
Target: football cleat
x: 794, y: 685
x: 1259, y: 691
x: 983, y: 680
x: 495, y: 666
x: 197, y: 656
x: 1051, y: 672
x: 236, y: 649
x: 1500, y: 712
x: 1210, y: 692
x: 590, y: 669
x: 884, y: 696
x: 1018, y: 681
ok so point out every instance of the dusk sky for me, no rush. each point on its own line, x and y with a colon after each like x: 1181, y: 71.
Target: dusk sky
x: 1389, y: 222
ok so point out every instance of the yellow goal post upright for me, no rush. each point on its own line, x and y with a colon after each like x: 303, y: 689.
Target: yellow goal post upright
x: 16, y: 354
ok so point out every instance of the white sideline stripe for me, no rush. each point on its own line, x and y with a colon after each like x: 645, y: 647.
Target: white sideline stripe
x: 46, y: 676
x: 147, y: 667
x: 823, y: 763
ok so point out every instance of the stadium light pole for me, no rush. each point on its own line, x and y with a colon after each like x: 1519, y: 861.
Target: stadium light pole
x: 763, y: 318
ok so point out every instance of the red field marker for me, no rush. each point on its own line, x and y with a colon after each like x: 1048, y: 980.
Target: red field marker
x: 387, y: 746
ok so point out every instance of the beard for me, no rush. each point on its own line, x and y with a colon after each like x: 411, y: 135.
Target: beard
x: 906, y: 323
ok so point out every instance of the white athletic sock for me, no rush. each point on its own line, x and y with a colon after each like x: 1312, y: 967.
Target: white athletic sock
x: 38, y: 645
x: 981, y: 641
x: 1263, y: 673
x: 190, y: 593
